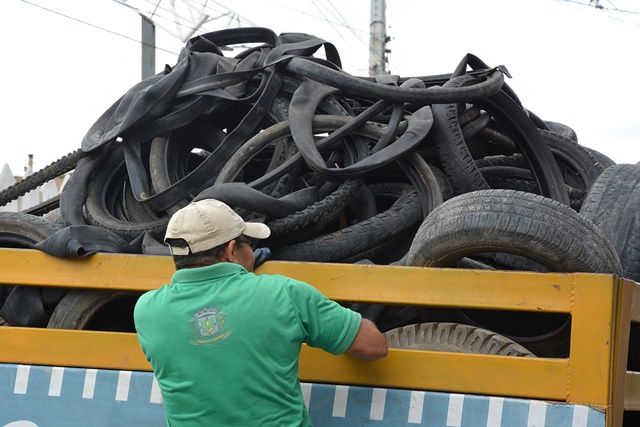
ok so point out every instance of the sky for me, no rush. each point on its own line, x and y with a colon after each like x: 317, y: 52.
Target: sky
x: 64, y: 62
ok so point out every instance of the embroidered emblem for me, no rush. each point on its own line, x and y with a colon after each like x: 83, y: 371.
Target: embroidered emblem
x: 208, y: 327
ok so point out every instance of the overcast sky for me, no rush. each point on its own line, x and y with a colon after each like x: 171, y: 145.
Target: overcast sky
x: 64, y: 62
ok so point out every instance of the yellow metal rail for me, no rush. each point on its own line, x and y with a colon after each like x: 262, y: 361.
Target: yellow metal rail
x: 601, y: 307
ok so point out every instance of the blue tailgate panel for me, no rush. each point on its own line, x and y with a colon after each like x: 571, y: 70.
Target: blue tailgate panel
x: 45, y: 396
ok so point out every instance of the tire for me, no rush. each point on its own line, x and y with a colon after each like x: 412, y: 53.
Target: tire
x: 443, y: 183
x: 96, y: 310
x: 173, y: 155
x: 514, y: 160
x: 455, y: 157
x: 278, y: 133
x: 612, y: 204
x: 106, y: 207
x: 26, y: 305
x: 514, y: 222
x: 562, y: 130
x: 498, y: 142
x: 364, y: 240
x: 171, y: 159
x: 322, y: 212
x: 329, y: 207
x: 512, y: 178
x: 55, y: 216
x: 453, y: 337
x: 22, y: 230
x: 579, y: 167
x: 604, y: 160
x: 525, y: 224
x: 519, y: 126
x: 458, y: 162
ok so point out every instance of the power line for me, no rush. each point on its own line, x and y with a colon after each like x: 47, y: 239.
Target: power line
x: 212, y: 7
x: 174, y: 19
x: 94, y: 26
x: 596, y: 4
x: 177, y: 16
x: 614, y: 8
x: 613, y: 12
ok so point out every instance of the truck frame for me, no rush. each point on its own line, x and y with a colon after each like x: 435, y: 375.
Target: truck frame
x: 68, y: 378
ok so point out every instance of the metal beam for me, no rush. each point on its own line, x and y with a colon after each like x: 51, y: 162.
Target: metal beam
x: 148, y: 36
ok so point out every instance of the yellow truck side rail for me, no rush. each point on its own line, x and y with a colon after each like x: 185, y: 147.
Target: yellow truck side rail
x: 601, y: 309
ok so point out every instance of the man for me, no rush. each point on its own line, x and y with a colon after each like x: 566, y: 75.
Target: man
x: 223, y: 342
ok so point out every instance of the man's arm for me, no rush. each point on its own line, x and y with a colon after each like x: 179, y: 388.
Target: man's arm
x: 369, y: 343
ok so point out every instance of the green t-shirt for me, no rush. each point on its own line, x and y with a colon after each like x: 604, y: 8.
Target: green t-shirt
x: 224, y: 344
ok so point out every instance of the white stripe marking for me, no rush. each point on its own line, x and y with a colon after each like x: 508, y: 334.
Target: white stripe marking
x: 378, y: 399
x: 122, y: 390
x: 454, y: 412
x: 156, y: 395
x: 22, y: 379
x: 537, y: 413
x: 494, y: 417
x: 21, y: 423
x: 55, y: 385
x: 306, y: 394
x: 415, y: 407
x: 340, y: 401
x: 580, y: 416
x: 89, y: 383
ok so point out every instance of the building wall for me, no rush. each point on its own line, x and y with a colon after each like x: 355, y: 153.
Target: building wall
x: 41, y: 194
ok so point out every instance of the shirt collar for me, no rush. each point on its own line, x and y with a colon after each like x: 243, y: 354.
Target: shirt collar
x: 217, y: 270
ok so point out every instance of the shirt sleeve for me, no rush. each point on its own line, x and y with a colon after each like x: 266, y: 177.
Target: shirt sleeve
x: 325, y: 323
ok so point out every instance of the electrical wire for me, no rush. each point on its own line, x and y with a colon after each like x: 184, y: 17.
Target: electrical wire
x: 612, y: 11
x: 115, y: 33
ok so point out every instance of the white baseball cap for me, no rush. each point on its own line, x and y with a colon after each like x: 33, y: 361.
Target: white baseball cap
x: 208, y: 223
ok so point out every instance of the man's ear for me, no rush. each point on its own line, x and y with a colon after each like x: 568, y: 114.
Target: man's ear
x: 229, y: 252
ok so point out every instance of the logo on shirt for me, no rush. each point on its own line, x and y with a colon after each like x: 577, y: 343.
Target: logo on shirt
x: 208, y: 327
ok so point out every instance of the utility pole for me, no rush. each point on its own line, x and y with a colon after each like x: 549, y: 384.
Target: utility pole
x: 187, y: 15
x: 148, y: 36
x: 378, y: 38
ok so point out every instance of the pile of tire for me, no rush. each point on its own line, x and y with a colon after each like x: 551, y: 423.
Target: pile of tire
x: 441, y: 171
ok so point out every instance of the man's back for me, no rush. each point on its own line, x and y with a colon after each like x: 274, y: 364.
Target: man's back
x: 225, y: 350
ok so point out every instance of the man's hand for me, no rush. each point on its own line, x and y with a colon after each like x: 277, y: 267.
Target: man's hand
x: 261, y: 255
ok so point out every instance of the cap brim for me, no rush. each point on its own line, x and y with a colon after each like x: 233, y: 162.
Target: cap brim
x: 257, y: 230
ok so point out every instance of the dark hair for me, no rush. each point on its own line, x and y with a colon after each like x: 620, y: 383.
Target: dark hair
x: 199, y: 259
